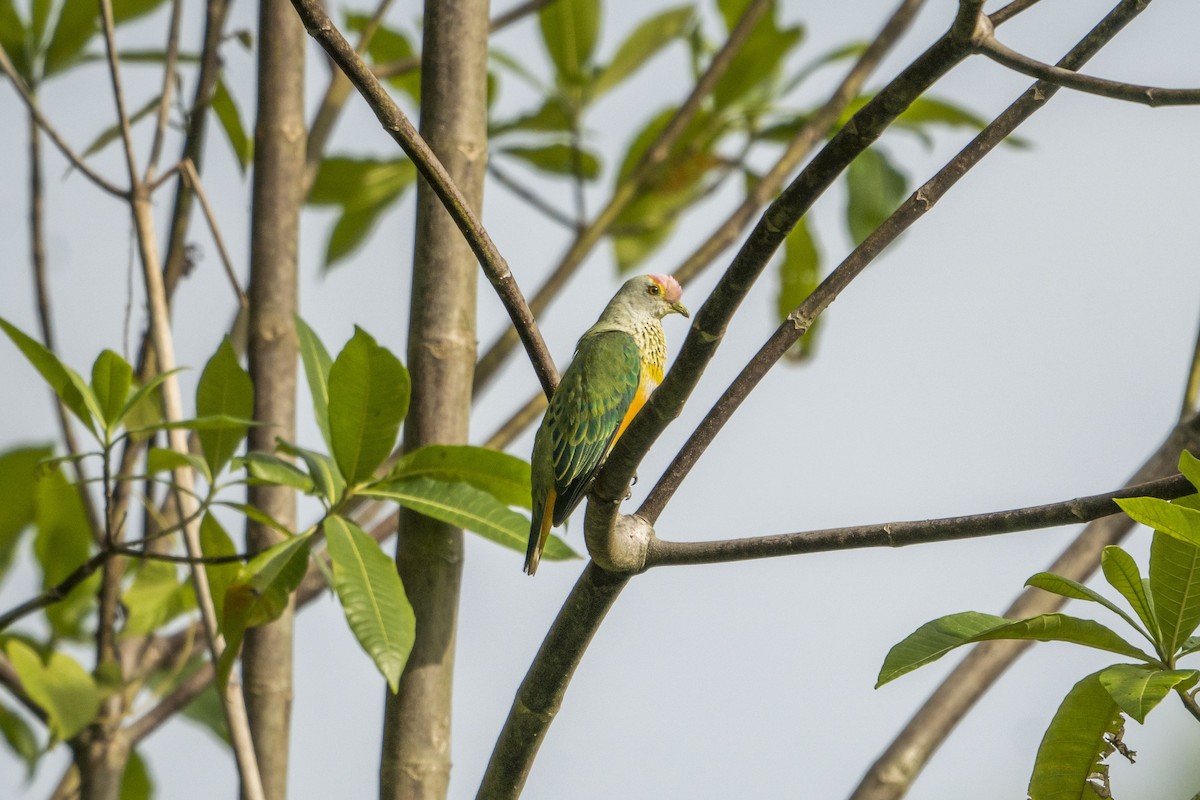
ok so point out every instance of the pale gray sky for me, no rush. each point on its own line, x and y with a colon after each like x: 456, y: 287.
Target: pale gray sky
x: 1026, y: 342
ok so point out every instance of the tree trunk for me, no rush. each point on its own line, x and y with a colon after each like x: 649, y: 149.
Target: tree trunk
x: 415, y: 761
x: 279, y: 144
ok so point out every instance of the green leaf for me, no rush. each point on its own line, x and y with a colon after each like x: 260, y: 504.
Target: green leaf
x: 1192, y: 645
x: 69, y: 387
x: 1189, y: 465
x: 1065, y: 587
x: 155, y: 597
x: 372, y: 597
x: 113, y: 132
x: 933, y: 640
x: 317, y: 363
x: 502, y: 476
x: 327, y: 479
x: 1064, y: 628
x: 112, y: 378
x: 259, y: 594
x: 20, y: 739
x: 62, y: 544
x: 351, y: 232
x: 267, y: 468
x: 799, y: 274
x: 1075, y: 743
x: 388, y: 46
x: 1122, y: 573
x: 364, y: 189
x: 368, y: 398
x: 18, y: 481
x: 875, y: 189
x: 1137, y: 689
x: 1175, y: 587
x: 257, y: 514
x: 14, y: 40
x: 225, y: 107
x: 216, y: 422
x: 570, y: 29
x: 64, y: 690
x: 206, y: 711
x: 215, y: 543
x: 464, y: 506
x: 646, y: 41
x: 356, y: 183
x: 558, y: 159
x: 77, y: 23
x: 551, y: 117
x: 753, y: 74
x: 1171, y: 518
x: 142, y: 408
x: 225, y: 390
x: 136, y: 783
x: 162, y: 460
x: 128, y: 10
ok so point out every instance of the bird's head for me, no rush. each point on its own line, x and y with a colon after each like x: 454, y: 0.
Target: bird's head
x: 657, y: 295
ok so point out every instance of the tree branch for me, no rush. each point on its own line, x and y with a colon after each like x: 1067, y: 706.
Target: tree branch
x: 1152, y: 96
x: 321, y: 28
x: 900, y: 534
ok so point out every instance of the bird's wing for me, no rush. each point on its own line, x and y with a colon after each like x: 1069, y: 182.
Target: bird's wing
x: 587, y: 411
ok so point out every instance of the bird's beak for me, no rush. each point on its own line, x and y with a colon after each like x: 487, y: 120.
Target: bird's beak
x: 680, y: 308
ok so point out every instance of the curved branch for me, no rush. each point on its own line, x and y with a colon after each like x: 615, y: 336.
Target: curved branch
x: 900, y: 534
x: 398, y: 126
x: 1152, y: 96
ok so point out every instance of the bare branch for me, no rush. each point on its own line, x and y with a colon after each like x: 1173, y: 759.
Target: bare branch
x: 1152, y: 96
x: 321, y: 28
x: 901, y: 534
x: 56, y: 592
x: 168, y: 90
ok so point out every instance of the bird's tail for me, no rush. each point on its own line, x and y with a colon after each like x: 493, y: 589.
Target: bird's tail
x: 539, y: 531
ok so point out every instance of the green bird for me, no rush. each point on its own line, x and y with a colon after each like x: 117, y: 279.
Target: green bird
x: 618, y: 362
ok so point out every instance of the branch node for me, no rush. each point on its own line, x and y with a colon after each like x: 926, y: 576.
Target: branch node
x: 623, y: 547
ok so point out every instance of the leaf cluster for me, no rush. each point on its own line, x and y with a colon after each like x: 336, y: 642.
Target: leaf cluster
x: 1089, y: 724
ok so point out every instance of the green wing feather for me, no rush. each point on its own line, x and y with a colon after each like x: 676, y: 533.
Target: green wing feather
x: 584, y: 415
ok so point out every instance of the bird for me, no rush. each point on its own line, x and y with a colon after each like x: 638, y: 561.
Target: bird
x: 618, y: 362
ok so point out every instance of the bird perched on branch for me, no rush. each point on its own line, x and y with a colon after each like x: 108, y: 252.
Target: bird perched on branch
x: 618, y: 362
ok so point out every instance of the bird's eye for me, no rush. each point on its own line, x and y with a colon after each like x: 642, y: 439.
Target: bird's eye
x: 655, y: 289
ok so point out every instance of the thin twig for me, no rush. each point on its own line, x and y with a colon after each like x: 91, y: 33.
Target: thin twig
x: 901, y: 534
x: 531, y: 197
x: 178, y: 699
x: 1152, y: 96
x: 56, y: 592
x: 321, y: 28
x: 6, y: 66
x: 193, y: 180
x: 521, y: 419
x: 1004, y: 14
x: 168, y: 90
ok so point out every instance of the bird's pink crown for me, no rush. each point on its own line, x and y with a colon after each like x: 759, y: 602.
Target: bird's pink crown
x: 672, y: 291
